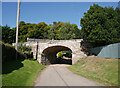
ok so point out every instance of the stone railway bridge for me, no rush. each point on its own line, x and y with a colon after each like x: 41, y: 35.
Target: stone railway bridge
x: 45, y: 50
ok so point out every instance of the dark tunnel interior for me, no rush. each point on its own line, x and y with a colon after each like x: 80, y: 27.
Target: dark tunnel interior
x: 49, y: 56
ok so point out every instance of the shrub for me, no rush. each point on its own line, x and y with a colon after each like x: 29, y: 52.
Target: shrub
x: 68, y: 53
x: 59, y: 54
x: 26, y: 50
x: 23, y: 48
x: 9, y: 53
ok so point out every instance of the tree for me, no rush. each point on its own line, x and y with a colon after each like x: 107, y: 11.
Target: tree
x: 23, y: 30
x: 100, y: 25
x: 33, y: 33
x: 119, y: 4
x: 37, y: 31
x: 68, y: 31
x: 57, y: 30
x: 8, y: 35
x: 53, y: 31
x: 22, y: 23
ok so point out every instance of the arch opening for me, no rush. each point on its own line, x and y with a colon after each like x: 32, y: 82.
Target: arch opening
x: 50, y: 55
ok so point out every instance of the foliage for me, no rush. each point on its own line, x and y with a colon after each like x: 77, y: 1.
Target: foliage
x: 37, y: 31
x: 53, y: 30
x: 59, y: 54
x: 8, y: 35
x: 20, y: 73
x: 9, y: 53
x: 68, y: 31
x: 119, y: 4
x: 100, y: 26
x: 101, y: 70
x: 24, y: 48
x: 68, y: 53
x: 40, y: 31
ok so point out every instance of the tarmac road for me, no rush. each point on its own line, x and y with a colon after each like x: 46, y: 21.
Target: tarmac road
x: 59, y: 75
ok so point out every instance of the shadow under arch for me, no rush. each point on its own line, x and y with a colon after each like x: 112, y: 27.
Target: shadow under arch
x: 48, y: 55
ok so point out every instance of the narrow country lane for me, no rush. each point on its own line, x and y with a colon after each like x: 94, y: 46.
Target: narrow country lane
x: 59, y: 75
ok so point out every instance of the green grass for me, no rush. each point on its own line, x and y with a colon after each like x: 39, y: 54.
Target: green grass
x: 102, y: 70
x: 20, y: 73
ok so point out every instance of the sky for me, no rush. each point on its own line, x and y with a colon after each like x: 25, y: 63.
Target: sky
x: 60, y: 0
x: 48, y: 12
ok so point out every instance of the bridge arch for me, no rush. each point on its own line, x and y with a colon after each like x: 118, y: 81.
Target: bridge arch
x: 40, y: 48
x: 48, y: 55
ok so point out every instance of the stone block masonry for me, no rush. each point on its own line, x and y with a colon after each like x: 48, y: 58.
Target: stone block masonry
x: 45, y: 50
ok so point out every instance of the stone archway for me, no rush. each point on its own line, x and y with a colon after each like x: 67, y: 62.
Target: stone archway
x: 40, y: 48
x: 48, y: 55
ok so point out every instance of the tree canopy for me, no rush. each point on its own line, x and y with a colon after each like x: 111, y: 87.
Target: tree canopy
x: 101, y: 26
x: 40, y: 31
x: 68, y: 31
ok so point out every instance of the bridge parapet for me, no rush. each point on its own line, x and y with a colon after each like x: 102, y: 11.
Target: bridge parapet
x: 51, y: 41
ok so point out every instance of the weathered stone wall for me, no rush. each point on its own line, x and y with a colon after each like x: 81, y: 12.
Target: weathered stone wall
x: 39, y: 46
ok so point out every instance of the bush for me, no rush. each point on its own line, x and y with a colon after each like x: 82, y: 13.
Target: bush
x: 26, y: 50
x: 59, y: 54
x: 9, y: 53
x: 68, y: 53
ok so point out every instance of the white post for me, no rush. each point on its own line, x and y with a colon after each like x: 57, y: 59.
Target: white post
x: 17, y: 28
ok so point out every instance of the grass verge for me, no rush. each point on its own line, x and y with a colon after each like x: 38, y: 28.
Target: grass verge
x: 20, y: 73
x: 102, y: 70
